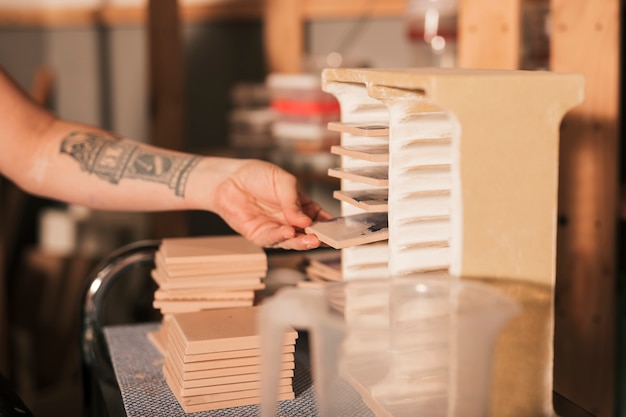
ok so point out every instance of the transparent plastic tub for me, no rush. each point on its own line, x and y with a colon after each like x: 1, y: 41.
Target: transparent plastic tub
x: 419, y: 345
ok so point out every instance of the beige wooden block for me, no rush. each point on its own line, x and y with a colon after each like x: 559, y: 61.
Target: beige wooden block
x: 221, y: 330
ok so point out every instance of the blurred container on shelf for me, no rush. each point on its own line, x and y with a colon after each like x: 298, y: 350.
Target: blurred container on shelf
x: 302, y: 112
x: 249, y: 95
x: 300, y: 132
x: 251, y: 128
x: 304, y: 137
x: 431, y: 25
x: 250, y: 120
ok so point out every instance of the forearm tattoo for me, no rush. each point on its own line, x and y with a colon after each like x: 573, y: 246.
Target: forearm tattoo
x: 113, y: 158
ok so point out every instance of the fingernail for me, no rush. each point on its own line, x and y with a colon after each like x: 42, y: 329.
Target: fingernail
x: 308, y: 242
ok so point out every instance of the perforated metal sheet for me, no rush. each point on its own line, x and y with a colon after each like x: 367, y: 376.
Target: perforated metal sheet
x: 138, y: 369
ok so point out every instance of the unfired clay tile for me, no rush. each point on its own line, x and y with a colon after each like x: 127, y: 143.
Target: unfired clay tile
x: 374, y: 175
x: 371, y: 153
x: 205, y: 249
x: 358, y: 229
x: 219, y: 330
x: 371, y: 129
x: 370, y: 200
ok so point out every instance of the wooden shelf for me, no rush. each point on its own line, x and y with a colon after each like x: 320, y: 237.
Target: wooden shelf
x: 123, y: 15
x: 235, y: 10
x: 284, y: 20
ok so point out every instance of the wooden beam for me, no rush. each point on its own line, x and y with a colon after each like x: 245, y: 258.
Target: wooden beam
x: 585, y: 39
x: 283, y: 35
x: 47, y: 17
x: 489, y: 34
x: 167, y: 96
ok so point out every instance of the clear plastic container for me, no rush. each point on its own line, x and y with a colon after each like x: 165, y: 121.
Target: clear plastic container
x: 419, y: 345
x: 432, y: 27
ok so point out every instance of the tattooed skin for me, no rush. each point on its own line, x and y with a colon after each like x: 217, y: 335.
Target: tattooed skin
x: 113, y: 158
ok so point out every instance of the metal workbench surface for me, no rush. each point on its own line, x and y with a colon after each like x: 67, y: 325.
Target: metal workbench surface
x: 138, y: 369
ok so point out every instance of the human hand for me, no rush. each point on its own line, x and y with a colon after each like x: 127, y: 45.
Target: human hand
x: 261, y: 202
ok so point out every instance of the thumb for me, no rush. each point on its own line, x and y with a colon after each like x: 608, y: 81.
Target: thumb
x: 289, y: 199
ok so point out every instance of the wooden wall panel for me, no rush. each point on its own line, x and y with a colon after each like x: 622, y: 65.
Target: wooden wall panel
x: 585, y: 39
x: 167, y: 97
x: 324, y: 9
x: 489, y: 34
x: 283, y: 35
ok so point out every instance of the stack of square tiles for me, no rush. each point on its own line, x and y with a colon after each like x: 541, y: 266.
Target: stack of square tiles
x: 213, y: 359
x: 205, y: 272
x: 200, y: 273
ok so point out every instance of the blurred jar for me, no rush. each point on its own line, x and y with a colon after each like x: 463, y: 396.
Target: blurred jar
x: 432, y: 28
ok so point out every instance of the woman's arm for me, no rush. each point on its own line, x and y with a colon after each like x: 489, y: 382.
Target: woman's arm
x: 81, y: 164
